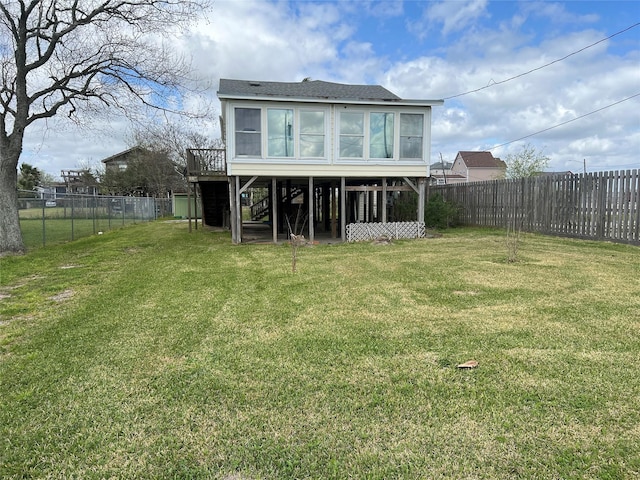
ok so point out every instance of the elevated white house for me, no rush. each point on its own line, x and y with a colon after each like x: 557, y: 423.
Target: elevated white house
x: 337, y: 153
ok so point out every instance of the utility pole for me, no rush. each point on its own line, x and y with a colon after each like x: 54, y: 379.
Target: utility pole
x: 444, y: 169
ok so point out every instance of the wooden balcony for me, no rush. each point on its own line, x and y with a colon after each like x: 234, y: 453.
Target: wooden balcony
x: 206, y: 164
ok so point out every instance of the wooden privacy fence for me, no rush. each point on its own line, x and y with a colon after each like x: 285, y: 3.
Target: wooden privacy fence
x: 599, y: 206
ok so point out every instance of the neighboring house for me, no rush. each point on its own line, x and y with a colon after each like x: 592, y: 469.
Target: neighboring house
x: 51, y: 193
x: 441, y: 174
x: 478, y: 166
x: 327, y: 152
x: 154, y: 173
x: 120, y: 161
x: 80, y: 182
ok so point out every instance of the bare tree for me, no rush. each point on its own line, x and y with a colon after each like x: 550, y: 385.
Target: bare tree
x: 174, y: 139
x: 76, y: 58
x: 148, y: 172
x: 528, y: 162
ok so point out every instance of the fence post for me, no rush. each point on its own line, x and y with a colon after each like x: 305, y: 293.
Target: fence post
x: 600, y: 206
x: 72, y: 217
x: 44, y: 229
x: 94, y: 201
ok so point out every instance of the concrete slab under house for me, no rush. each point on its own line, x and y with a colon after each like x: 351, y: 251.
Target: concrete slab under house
x: 312, y: 157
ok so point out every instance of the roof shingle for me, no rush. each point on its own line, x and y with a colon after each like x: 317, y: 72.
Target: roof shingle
x: 304, y: 89
x: 481, y: 160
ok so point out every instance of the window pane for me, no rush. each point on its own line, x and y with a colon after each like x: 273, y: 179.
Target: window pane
x: 312, y: 122
x: 352, y: 123
x: 351, y: 134
x: 280, y: 131
x: 411, y: 130
x: 312, y: 134
x: 411, y: 124
x: 247, y: 122
x: 312, y: 145
x: 381, y: 140
x: 248, y: 143
x: 410, y: 147
x: 247, y: 119
x: 350, y: 146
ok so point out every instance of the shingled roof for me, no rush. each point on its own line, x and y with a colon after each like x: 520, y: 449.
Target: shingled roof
x: 305, y: 89
x: 481, y: 160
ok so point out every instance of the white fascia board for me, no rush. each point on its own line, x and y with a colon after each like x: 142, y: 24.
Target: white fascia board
x: 337, y: 101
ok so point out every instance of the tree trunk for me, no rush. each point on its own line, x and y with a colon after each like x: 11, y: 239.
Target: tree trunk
x: 10, y: 234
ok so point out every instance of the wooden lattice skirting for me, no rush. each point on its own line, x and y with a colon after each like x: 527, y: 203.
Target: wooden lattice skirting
x: 358, y: 232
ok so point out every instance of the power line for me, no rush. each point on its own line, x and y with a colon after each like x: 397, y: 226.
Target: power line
x: 543, y: 66
x: 568, y: 121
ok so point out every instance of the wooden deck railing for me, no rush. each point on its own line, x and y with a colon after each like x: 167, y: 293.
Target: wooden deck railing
x: 206, y: 162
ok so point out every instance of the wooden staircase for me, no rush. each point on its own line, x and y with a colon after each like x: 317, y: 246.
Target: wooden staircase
x: 260, y: 209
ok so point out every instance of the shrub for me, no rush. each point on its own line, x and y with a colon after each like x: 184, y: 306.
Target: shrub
x: 439, y: 213
x: 404, y: 208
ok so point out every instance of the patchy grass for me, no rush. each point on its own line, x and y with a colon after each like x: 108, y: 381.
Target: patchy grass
x: 151, y: 352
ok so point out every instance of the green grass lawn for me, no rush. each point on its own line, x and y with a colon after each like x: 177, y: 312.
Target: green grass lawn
x: 149, y: 352
x: 55, y: 230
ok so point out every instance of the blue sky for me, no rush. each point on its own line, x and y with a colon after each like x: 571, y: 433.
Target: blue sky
x: 428, y: 50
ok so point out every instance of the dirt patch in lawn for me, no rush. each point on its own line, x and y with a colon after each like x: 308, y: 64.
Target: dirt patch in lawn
x: 62, y: 296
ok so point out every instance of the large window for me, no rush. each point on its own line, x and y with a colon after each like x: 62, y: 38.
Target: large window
x: 248, y: 136
x: 311, y: 134
x: 303, y: 132
x: 411, y: 131
x: 280, y: 132
x: 351, y: 134
x: 381, y: 135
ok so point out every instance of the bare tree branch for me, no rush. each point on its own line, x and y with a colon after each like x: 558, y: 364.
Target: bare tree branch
x: 72, y: 57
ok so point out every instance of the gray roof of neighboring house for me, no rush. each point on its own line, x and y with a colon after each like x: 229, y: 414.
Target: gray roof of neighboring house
x: 552, y: 174
x: 481, y: 160
x: 441, y: 166
x: 304, y: 89
x: 123, y: 155
x: 447, y: 175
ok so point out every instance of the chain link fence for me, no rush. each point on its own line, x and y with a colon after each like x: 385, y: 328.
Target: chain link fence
x: 46, y: 219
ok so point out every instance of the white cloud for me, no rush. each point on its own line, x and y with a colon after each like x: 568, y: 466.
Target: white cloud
x: 281, y: 41
x: 259, y: 40
x: 452, y: 16
x: 556, y: 13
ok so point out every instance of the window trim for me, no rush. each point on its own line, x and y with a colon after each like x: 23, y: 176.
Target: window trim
x: 331, y: 133
x: 256, y: 132
x: 393, y: 135
x: 325, y: 132
x: 400, y: 137
x: 364, y: 136
x: 367, y: 158
x: 294, y: 153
